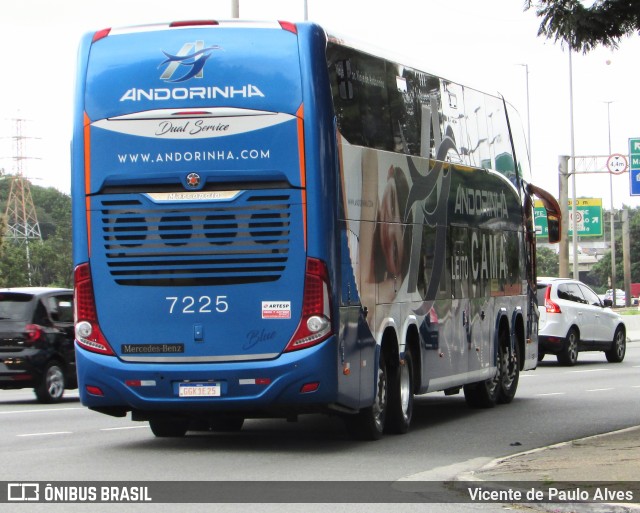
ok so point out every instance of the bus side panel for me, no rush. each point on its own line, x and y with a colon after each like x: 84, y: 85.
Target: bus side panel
x: 355, y: 360
x: 78, y: 144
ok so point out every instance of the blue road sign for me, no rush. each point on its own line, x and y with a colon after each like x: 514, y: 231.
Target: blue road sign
x: 634, y: 166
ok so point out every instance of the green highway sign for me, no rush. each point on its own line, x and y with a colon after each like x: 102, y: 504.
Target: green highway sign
x: 588, y: 218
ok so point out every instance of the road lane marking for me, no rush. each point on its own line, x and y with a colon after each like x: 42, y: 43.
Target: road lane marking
x: 48, y: 434
x: 599, y: 389
x: 38, y: 411
x: 552, y: 393
x: 125, y: 427
x: 590, y: 370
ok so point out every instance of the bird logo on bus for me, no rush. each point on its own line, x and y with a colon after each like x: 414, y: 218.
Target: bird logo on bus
x: 193, y: 180
x: 192, y: 56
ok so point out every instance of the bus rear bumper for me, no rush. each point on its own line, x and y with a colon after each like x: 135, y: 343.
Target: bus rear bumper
x: 301, y: 381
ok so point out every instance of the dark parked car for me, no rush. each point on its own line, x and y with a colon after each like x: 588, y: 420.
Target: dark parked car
x: 37, y: 341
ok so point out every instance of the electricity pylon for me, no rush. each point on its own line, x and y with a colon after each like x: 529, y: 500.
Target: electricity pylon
x: 20, y: 223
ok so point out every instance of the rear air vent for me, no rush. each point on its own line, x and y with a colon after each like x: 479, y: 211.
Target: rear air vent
x: 244, y: 241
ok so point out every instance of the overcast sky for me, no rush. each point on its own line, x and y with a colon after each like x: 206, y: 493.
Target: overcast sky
x: 478, y: 43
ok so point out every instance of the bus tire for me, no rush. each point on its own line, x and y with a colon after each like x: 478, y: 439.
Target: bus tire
x: 368, y: 424
x: 400, y: 396
x: 169, y: 427
x: 483, y: 394
x: 508, y: 369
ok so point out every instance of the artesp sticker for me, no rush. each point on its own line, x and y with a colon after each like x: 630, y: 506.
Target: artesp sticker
x: 276, y: 309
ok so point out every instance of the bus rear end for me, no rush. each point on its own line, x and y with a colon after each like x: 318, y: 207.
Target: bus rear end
x: 200, y: 293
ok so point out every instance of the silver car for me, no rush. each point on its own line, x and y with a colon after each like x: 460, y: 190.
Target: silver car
x: 573, y: 318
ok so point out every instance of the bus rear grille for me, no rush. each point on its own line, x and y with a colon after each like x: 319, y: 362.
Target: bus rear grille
x: 200, y: 245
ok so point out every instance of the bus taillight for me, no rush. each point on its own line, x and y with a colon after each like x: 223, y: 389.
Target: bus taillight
x: 315, y: 322
x: 88, y: 333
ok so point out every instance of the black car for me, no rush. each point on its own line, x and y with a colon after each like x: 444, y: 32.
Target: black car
x: 37, y: 341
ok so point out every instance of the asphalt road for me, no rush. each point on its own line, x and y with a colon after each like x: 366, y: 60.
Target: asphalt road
x: 66, y: 442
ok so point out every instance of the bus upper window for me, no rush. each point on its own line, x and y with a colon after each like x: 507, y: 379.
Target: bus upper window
x: 360, y: 96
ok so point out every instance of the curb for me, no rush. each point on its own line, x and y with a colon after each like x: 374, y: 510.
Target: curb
x: 559, y: 507
x: 497, y: 461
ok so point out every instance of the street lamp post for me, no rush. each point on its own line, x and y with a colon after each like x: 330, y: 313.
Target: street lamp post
x: 526, y: 68
x: 612, y: 235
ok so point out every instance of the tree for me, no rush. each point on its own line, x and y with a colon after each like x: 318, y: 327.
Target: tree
x: 605, y: 23
x: 603, y: 268
x: 50, y: 258
x: 547, y: 262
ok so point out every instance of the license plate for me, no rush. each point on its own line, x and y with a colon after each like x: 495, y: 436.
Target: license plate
x: 199, y: 390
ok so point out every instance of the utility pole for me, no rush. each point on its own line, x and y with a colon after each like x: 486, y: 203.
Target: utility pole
x: 626, y: 261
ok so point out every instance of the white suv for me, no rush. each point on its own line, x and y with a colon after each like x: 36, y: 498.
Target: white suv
x: 574, y: 319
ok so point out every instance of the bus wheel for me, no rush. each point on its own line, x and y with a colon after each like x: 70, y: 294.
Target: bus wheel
x: 483, y: 394
x: 508, y: 369
x: 168, y: 427
x: 400, y: 396
x: 369, y: 423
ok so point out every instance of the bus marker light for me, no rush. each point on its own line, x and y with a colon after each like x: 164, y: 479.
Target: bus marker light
x: 93, y: 390
x: 140, y: 383
x: 287, y: 25
x: 255, y: 381
x: 193, y: 23
x: 309, y: 387
x: 101, y: 34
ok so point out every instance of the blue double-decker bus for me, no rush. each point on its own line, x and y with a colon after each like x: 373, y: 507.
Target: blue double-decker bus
x: 269, y: 221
